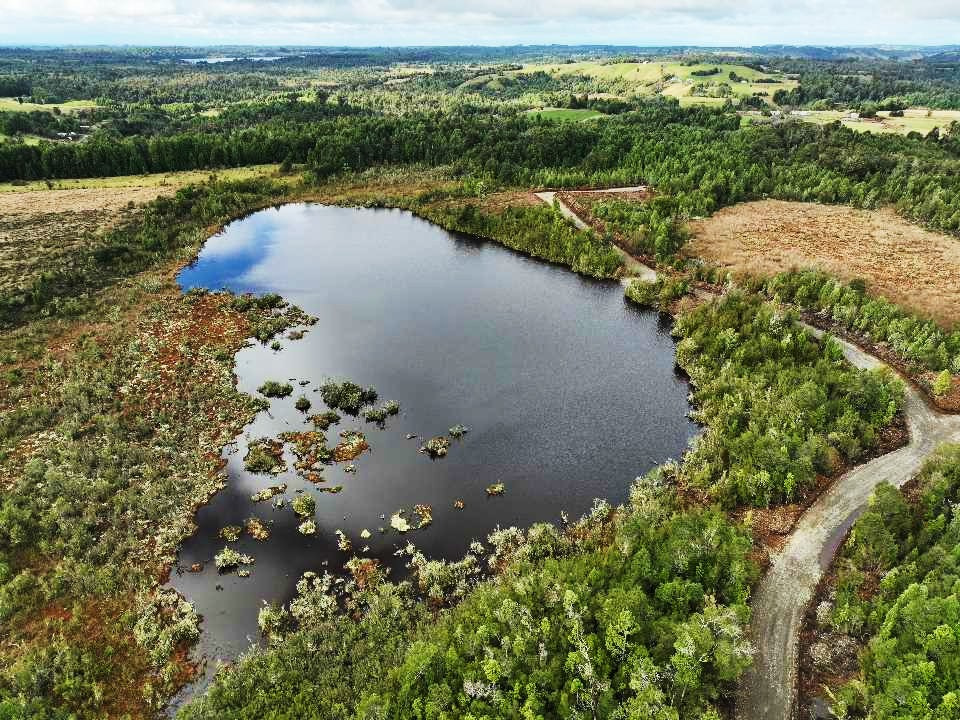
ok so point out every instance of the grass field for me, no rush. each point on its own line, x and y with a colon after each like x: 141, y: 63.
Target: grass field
x: 27, y: 139
x: 12, y: 105
x: 649, y: 77
x: 565, y: 114
x: 900, y: 261
x: 176, y: 179
x: 918, y: 120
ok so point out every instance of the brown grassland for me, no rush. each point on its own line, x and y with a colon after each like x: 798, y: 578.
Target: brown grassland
x: 902, y: 262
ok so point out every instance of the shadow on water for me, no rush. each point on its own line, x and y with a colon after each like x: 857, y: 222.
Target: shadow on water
x: 568, y: 391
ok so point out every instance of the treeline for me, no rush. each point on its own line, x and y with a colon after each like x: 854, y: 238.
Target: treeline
x: 539, y: 231
x: 638, y: 614
x: 920, y: 343
x: 699, y: 157
x: 933, y: 82
x: 779, y: 406
x: 896, y: 594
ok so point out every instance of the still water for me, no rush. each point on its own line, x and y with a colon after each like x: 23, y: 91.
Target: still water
x: 569, y: 393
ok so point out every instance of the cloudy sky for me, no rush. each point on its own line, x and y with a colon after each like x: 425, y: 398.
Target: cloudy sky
x: 486, y: 22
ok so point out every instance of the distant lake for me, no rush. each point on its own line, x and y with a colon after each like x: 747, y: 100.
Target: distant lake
x: 217, y: 60
x: 569, y: 393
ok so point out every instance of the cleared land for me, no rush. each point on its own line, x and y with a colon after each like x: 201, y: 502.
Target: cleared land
x: 14, y: 105
x: 565, y: 114
x: 900, y: 261
x: 154, y: 180
x: 39, y: 229
x: 918, y: 120
x: 651, y: 77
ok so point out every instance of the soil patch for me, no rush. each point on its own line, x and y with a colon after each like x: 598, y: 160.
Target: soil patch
x: 905, y: 263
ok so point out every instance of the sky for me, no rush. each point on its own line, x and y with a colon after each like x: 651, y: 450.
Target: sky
x: 479, y: 22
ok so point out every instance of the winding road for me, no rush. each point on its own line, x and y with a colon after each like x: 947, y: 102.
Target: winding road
x: 768, y: 690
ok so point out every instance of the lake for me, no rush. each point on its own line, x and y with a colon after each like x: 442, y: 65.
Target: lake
x: 569, y: 393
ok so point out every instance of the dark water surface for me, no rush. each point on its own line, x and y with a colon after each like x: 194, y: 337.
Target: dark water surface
x: 569, y: 394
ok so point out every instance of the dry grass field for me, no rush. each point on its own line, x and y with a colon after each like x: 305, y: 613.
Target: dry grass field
x: 900, y: 261
x: 38, y: 230
x: 42, y: 227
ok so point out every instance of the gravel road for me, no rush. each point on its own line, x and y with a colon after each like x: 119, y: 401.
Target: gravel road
x: 768, y: 690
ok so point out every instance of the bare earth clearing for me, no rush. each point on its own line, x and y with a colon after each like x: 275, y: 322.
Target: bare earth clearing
x: 902, y: 262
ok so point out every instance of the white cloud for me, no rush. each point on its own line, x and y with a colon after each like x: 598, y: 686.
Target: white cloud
x: 407, y: 22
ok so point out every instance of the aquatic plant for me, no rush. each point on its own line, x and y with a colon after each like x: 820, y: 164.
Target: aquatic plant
x: 276, y: 346
x: 310, y: 449
x: 302, y: 404
x: 343, y: 542
x: 304, y: 505
x: 256, y: 529
x: 307, y: 527
x: 347, y: 396
x: 399, y: 523
x: 323, y: 421
x: 425, y: 512
x: 436, y: 447
x: 264, y: 455
x: 229, y: 559
x: 458, y: 431
x: 495, y: 489
x: 269, y: 492
x: 352, y: 444
x: 230, y: 533
x: 275, y: 389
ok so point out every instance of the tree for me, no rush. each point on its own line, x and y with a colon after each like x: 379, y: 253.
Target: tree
x: 943, y: 383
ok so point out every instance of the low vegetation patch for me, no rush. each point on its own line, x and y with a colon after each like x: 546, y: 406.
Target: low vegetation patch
x: 639, y: 613
x: 275, y: 389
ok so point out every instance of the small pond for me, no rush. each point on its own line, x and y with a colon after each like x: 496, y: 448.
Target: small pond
x: 568, y: 392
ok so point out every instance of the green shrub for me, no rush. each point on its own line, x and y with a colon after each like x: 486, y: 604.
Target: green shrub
x: 274, y: 389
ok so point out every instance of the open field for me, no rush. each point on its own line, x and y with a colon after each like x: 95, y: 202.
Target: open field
x: 154, y: 180
x: 649, y: 77
x: 13, y: 105
x: 900, y: 261
x: 39, y: 230
x: 918, y: 120
x: 565, y: 114
x: 39, y: 227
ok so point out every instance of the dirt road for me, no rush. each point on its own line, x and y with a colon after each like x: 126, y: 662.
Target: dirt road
x: 636, y: 268
x: 768, y: 689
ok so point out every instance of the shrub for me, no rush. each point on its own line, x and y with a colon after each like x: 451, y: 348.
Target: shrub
x: 274, y: 389
x: 943, y: 384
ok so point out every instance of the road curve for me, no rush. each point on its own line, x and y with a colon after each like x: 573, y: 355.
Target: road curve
x: 768, y: 689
